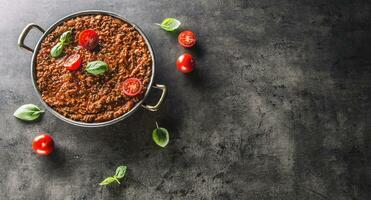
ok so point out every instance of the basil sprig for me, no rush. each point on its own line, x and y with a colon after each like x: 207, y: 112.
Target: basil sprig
x: 160, y: 136
x: 64, y: 39
x: 169, y: 24
x: 96, y: 67
x: 120, y: 173
x: 57, y: 50
x: 28, y: 112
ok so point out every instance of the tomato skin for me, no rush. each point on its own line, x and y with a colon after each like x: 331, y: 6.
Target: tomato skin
x: 73, y: 62
x: 88, y: 39
x: 131, y: 87
x: 185, y: 63
x: 43, y: 144
x: 187, y: 38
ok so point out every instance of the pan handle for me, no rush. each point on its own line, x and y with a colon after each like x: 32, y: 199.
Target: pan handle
x: 24, y: 34
x: 162, y: 98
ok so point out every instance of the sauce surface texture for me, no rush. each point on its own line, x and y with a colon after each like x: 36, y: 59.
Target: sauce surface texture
x: 85, y: 97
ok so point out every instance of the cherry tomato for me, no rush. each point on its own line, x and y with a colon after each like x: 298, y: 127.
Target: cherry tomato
x: 88, y: 39
x: 43, y: 144
x: 185, y: 63
x: 73, y: 62
x: 187, y: 38
x: 131, y: 87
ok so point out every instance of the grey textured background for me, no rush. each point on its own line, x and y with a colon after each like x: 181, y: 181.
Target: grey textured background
x: 279, y: 107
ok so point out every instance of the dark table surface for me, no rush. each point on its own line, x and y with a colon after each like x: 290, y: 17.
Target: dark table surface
x: 278, y: 108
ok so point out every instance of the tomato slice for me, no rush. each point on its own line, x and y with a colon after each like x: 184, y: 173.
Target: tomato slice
x: 73, y: 62
x: 187, y: 38
x: 88, y: 39
x: 131, y: 87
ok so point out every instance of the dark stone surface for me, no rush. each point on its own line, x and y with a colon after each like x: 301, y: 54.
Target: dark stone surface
x: 279, y: 107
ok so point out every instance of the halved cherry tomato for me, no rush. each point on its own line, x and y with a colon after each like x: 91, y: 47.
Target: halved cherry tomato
x: 43, y: 144
x: 131, y: 87
x: 187, y: 38
x: 88, y: 39
x: 185, y: 63
x: 73, y: 62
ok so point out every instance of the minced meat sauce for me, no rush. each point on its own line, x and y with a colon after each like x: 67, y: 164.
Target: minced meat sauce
x: 85, y: 97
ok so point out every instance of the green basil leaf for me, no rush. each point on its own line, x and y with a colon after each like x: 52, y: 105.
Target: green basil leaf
x: 57, y: 50
x: 120, y: 171
x: 160, y: 136
x: 107, y: 181
x: 28, y: 112
x: 66, y: 37
x: 170, y: 24
x: 96, y: 67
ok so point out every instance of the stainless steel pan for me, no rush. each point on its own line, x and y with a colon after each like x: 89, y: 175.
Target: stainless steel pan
x: 31, y: 26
